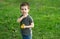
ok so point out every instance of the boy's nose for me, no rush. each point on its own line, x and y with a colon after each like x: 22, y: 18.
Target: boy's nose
x: 23, y: 10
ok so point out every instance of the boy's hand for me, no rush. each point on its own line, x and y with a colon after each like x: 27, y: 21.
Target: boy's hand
x: 19, y: 19
x: 24, y: 16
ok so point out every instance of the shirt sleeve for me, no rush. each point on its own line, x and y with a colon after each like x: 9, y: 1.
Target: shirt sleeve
x: 30, y: 20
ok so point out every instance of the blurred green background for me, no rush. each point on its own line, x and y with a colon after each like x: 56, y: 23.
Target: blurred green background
x: 46, y: 15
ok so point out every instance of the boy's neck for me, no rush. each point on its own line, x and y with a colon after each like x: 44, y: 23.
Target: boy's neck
x: 26, y: 14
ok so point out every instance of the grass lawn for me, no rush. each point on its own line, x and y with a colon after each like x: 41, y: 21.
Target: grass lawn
x: 45, y: 13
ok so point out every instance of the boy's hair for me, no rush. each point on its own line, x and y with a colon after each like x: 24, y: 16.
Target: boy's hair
x: 24, y: 4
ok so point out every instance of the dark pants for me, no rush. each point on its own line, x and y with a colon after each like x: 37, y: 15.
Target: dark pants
x: 26, y: 37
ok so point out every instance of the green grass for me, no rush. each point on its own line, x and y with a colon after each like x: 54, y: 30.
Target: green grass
x: 46, y: 15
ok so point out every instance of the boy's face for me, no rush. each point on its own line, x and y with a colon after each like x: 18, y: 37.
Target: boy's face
x: 24, y: 10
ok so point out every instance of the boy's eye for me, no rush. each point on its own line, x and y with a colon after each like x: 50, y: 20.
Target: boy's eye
x: 25, y: 9
x: 22, y: 9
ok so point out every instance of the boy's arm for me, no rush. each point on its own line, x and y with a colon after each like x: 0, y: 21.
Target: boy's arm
x: 31, y: 23
x: 30, y: 26
x: 20, y: 19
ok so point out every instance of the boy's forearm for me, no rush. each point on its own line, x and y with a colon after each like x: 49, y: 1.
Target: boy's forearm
x: 30, y: 26
x: 19, y: 19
